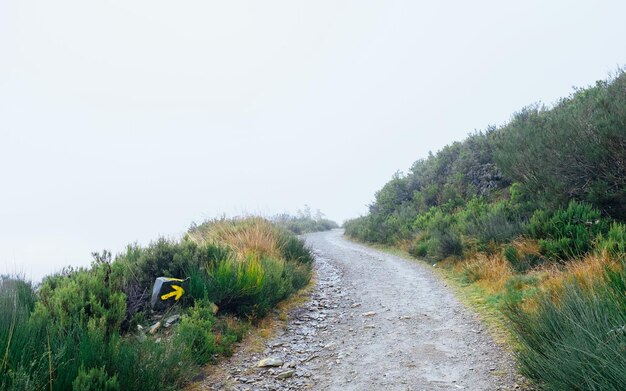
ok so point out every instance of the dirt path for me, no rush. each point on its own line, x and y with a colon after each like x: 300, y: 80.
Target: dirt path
x: 374, y: 322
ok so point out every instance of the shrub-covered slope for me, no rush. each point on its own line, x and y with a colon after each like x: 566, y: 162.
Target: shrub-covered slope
x: 85, y: 329
x: 532, y: 215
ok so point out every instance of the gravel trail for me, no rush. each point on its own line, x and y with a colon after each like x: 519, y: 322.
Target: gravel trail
x: 375, y: 321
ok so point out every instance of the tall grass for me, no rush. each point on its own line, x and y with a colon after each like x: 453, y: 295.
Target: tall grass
x: 576, y: 339
x: 267, y: 266
x: 248, y: 237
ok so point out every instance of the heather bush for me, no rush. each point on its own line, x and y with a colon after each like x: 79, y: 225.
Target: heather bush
x: 489, y: 222
x: 567, y: 233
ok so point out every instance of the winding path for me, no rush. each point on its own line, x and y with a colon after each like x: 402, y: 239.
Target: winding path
x: 375, y: 321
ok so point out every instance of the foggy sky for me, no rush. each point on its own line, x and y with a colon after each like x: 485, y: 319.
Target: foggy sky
x: 121, y: 121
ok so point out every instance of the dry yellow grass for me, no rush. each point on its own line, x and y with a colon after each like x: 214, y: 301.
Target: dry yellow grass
x: 250, y: 237
x: 526, y: 246
x: 490, y: 272
x: 584, y: 272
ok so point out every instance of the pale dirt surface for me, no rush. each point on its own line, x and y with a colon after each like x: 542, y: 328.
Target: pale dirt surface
x: 375, y: 321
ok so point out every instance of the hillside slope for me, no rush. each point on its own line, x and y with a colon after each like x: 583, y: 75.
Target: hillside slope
x: 531, y: 216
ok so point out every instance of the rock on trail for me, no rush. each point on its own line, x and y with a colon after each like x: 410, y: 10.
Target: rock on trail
x: 374, y: 322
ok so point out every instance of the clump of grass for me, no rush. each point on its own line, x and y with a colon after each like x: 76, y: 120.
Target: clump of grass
x: 267, y: 265
x: 252, y: 287
x: 491, y: 272
x: 523, y: 255
x: 613, y: 244
x: 583, y: 272
x: 577, y: 338
x: 247, y: 237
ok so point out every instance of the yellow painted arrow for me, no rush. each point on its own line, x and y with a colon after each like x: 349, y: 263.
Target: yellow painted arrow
x: 176, y: 293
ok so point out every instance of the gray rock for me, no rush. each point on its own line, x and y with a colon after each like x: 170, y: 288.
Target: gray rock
x: 171, y: 320
x: 270, y: 362
x: 285, y: 374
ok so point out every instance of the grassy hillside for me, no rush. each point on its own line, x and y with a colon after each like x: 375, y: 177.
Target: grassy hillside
x: 87, y: 328
x: 531, y: 215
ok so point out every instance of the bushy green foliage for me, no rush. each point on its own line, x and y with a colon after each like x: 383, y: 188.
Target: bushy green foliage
x: 294, y: 249
x: 82, y: 296
x: 203, y: 336
x: 576, y: 341
x: 556, y: 174
x: 195, y: 333
x: 95, y: 379
x: 252, y: 287
x: 22, y: 366
x: 38, y: 351
x: 567, y: 233
x: 520, y: 261
x: 141, y: 265
x: 73, y: 332
x: 495, y: 222
x: 443, y: 238
x: 418, y: 248
x: 576, y: 149
x: 614, y: 242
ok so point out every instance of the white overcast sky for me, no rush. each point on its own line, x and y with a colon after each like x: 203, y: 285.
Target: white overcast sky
x: 124, y: 120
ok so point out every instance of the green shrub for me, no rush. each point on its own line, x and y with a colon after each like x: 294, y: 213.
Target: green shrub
x: 521, y: 263
x: 195, y: 333
x: 71, y: 334
x: 203, y: 337
x: 441, y: 233
x: 573, y: 150
x: 74, y: 299
x: 487, y: 223
x: 96, y: 379
x: 567, y: 233
x: 577, y: 341
x: 614, y: 242
x: 138, y: 268
x: 251, y: 287
x: 445, y: 243
x: 294, y: 249
x: 444, y: 238
x: 299, y: 274
x: 22, y: 363
x: 143, y: 265
x: 418, y: 248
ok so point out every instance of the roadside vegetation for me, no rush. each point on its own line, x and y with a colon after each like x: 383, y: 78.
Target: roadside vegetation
x: 90, y: 328
x: 532, y: 216
x: 304, y: 221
